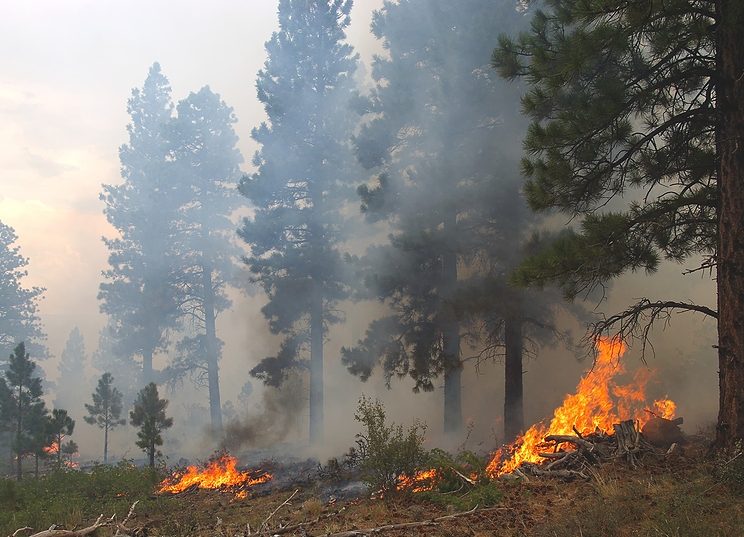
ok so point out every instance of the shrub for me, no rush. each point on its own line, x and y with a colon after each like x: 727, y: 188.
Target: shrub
x: 730, y: 468
x: 386, y: 451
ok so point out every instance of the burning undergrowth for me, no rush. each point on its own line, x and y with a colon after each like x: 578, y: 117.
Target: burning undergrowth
x: 219, y: 473
x: 599, y: 406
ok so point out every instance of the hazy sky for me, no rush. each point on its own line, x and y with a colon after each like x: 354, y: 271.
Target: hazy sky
x: 66, y: 70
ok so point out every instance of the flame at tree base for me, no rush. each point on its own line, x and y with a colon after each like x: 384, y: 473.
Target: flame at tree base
x: 598, y: 403
x: 219, y: 474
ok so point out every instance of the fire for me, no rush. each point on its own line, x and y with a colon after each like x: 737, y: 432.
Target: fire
x: 599, y: 402
x: 52, y: 448
x: 220, y: 474
x: 421, y: 481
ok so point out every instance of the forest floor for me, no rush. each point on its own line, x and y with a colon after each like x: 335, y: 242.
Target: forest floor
x: 681, y: 496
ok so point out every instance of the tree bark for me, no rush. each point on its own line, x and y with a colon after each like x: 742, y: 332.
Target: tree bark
x: 213, y: 367
x: 730, y: 259
x: 451, y: 342
x: 513, y: 390
x: 316, y: 367
x: 151, y: 455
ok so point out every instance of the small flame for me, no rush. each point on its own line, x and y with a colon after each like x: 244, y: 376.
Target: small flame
x: 421, y: 481
x: 221, y: 473
x: 597, y: 404
x: 52, y: 449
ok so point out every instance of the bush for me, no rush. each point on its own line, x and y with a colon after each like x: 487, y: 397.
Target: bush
x: 385, y: 452
x: 73, y: 497
x: 730, y: 468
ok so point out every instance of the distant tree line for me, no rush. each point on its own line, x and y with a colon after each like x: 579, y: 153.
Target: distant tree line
x: 41, y: 434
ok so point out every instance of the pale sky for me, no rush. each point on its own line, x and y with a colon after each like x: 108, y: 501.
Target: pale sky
x: 66, y: 70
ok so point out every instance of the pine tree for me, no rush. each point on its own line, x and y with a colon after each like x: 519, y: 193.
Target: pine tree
x: 37, y: 442
x: 206, y: 161
x: 440, y: 135
x: 19, y: 318
x: 60, y: 425
x: 140, y: 294
x: 305, y: 168
x: 639, y: 106
x: 24, y: 401
x: 149, y: 415
x: 105, y: 412
x: 71, y: 370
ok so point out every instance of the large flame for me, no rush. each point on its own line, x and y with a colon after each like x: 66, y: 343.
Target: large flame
x: 599, y: 402
x: 221, y: 473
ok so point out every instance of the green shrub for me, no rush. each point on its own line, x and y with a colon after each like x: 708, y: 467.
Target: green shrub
x: 72, y: 497
x: 386, y: 451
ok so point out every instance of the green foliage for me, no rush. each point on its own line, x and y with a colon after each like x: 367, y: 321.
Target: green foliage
x: 24, y: 409
x: 305, y: 171
x: 622, y: 101
x: 61, y: 425
x: 67, y: 497
x: 149, y: 415
x: 105, y: 412
x: 386, y: 451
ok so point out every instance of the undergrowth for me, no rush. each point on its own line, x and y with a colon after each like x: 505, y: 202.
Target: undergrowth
x: 71, y: 498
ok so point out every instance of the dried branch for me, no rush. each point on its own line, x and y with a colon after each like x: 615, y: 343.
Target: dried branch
x: 637, y: 321
x: 265, y: 522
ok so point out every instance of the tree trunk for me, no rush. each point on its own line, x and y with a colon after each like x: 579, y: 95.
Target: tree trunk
x: 36, y: 465
x: 513, y: 401
x: 451, y: 342
x: 730, y: 281
x: 316, y: 368
x: 213, y: 366
x: 151, y: 455
x: 19, y: 432
x: 105, y: 443
x: 147, y: 376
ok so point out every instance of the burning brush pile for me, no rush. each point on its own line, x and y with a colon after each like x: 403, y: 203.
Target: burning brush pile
x: 220, y: 473
x: 603, y: 420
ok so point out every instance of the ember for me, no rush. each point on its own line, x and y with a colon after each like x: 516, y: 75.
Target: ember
x: 218, y: 474
x: 598, y: 404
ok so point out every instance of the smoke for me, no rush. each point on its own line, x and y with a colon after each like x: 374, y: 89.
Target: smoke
x: 280, y: 413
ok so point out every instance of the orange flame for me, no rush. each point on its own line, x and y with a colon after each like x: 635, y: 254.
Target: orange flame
x: 51, y: 449
x: 221, y: 473
x: 421, y: 481
x: 597, y: 404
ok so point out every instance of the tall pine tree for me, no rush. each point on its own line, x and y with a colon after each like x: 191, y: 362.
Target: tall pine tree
x: 140, y: 294
x: 305, y: 168
x: 206, y: 161
x: 19, y: 317
x: 440, y: 138
x: 640, y: 106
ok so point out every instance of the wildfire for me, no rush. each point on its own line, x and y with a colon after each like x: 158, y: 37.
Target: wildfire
x: 599, y: 402
x: 51, y: 449
x: 219, y: 474
x: 421, y: 481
